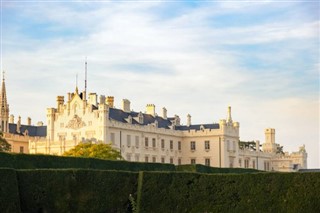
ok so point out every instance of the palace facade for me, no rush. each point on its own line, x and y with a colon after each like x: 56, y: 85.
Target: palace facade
x: 143, y: 136
x: 149, y: 137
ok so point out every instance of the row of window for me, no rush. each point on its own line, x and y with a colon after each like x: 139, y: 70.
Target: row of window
x: 146, y: 142
x: 154, y: 143
x: 193, y: 145
x: 153, y: 159
x: 247, y: 161
x: 206, y: 161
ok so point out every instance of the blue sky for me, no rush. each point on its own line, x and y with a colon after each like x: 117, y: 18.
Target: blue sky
x: 196, y: 57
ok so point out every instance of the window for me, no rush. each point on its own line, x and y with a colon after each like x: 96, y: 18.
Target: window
x: 171, y: 160
x: 266, y: 166
x: 239, y: 162
x: 21, y: 149
x: 193, y: 161
x: 246, y: 163
x: 146, y: 159
x: 231, y: 162
x: 207, y: 145
x: 154, y: 159
x: 193, y: 145
x: 129, y: 140
x: 136, y: 158
x: 128, y: 157
x: 228, y: 145
x: 146, y: 142
x: 153, y: 142
x: 61, y: 125
x: 162, y: 160
x: 112, y: 138
x: 137, y: 141
x: 171, y: 144
x: 234, y: 146
x: 179, y: 161
x: 162, y: 143
x: 74, y: 138
x: 253, y: 164
x: 207, y: 161
x: 179, y: 145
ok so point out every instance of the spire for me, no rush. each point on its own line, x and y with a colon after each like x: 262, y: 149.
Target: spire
x: 229, y: 119
x: 85, y: 80
x: 77, y: 92
x: 4, y: 110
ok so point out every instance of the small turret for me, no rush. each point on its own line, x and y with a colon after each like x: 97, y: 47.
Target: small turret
x: 188, y: 120
x: 229, y: 119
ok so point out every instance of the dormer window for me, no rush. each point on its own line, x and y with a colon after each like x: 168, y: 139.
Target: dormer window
x: 156, y: 123
x: 140, y: 117
x: 129, y: 119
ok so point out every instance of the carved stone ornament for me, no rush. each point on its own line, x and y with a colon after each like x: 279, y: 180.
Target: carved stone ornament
x: 75, y: 123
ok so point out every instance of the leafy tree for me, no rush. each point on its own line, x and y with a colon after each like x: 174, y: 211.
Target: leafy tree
x: 4, y: 145
x: 280, y: 150
x: 251, y: 145
x: 90, y: 150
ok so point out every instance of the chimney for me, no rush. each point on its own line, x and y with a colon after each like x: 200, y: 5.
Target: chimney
x: 257, y: 146
x: 151, y: 109
x: 29, y: 121
x: 177, y: 120
x: 60, y: 102
x: 11, y: 119
x: 19, y: 124
x: 93, y: 99
x: 164, y: 113
x: 40, y: 123
x: 102, y: 99
x: 126, y: 105
x: 188, y: 120
x: 110, y: 101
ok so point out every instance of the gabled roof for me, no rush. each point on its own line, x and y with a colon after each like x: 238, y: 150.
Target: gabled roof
x: 121, y: 116
x: 35, y: 131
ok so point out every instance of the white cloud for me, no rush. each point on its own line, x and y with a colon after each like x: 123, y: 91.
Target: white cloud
x: 185, y: 65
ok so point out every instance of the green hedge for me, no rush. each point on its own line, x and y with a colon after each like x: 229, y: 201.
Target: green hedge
x: 76, y: 190
x: 9, y: 193
x: 210, y: 170
x: 260, y: 192
x: 83, y: 190
x: 30, y: 161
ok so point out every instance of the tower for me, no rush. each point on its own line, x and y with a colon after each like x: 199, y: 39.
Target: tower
x: 4, y: 111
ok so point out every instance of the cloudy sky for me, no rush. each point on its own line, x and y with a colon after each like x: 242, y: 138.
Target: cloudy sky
x: 197, y: 57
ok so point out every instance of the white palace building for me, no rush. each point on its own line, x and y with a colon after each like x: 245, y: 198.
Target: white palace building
x: 146, y: 136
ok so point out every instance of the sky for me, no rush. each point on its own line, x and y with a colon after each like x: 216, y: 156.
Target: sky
x: 192, y: 57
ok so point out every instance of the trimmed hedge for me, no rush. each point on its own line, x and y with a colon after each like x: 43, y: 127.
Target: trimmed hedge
x: 210, y: 170
x: 9, y: 193
x: 76, y: 190
x: 260, y: 192
x: 81, y: 190
x: 30, y: 161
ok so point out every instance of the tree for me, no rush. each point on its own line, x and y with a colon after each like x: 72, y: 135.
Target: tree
x: 90, y: 150
x: 251, y: 145
x: 280, y: 150
x: 4, y: 145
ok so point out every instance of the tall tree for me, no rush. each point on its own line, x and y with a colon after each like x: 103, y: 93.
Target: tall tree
x: 90, y: 150
x: 4, y: 145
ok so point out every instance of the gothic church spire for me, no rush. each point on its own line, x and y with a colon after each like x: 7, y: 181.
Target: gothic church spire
x: 4, y: 111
